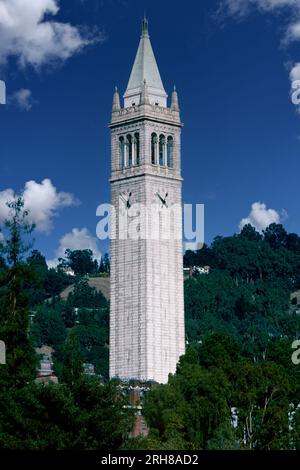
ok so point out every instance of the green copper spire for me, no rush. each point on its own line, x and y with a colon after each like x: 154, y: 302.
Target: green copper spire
x: 145, y: 68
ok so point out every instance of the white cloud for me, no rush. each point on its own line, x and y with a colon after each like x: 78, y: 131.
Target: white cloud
x: 42, y: 200
x: 295, y: 72
x: 260, y: 217
x: 78, y: 239
x: 292, y: 33
x: 22, y: 99
x: 241, y: 8
x: 28, y: 33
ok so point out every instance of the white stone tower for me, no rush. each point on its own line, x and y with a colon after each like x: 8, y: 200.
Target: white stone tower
x: 147, y: 312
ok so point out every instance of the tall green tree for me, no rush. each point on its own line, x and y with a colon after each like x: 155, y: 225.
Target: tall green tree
x: 72, y: 366
x: 81, y: 261
x: 14, y: 311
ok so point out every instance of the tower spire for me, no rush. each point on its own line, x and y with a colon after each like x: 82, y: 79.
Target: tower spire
x: 116, y: 101
x: 145, y: 68
x: 174, y: 102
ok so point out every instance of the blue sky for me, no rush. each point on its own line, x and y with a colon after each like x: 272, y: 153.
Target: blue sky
x: 232, y: 67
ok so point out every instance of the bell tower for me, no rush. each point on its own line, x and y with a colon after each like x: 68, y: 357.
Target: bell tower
x: 146, y: 311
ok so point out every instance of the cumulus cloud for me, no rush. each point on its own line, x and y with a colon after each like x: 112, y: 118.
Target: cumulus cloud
x: 42, y: 200
x: 29, y: 33
x: 22, y: 99
x: 261, y: 217
x: 77, y: 239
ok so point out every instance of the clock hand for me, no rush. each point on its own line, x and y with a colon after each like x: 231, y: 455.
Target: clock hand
x: 160, y: 198
x: 128, y: 200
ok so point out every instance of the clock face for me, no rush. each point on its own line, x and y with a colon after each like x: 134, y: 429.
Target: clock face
x: 125, y: 198
x: 162, y: 197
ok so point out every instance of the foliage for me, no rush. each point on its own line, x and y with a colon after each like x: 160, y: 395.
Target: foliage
x: 80, y: 261
x: 48, y: 327
x: 14, y: 313
x: 88, y: 416
x: 215, y: 381
x: 105, y: 264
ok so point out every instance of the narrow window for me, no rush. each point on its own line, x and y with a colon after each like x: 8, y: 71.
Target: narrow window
x: 137, y: 148
x: 122, y: 151
x: 161, y: 149
x: 153, y: 148
x: 129, y: 148
x: 170, y: 146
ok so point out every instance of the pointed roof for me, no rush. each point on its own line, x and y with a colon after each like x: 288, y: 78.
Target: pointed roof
x: 145, y: 68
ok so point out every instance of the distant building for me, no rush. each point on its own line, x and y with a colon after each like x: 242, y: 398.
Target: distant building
x: 69, y: 271
x: 202, y: 269
x: 191, y: 270
x: 89, y: 369
x: 45, y: 372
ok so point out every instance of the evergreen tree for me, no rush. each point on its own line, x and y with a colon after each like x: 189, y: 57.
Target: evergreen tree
x: 14, y: 312
x: 72, y: 369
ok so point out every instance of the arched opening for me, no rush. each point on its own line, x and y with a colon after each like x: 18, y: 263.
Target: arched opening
x: 137, y: 148
x: 129, y: 149
x: 153, y: 148
x: 170, y: 148
x: 161, y: 151
x: 122, y: 152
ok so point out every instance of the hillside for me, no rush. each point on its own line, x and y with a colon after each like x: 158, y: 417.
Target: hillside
x: 101, y: 284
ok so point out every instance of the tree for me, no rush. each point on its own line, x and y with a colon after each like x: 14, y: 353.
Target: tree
x: 56, y: 281
x: 72, y: 369
x: 48, y: 326
x: 57, y: 417
x: 276, y: 236
x: 193, y: 406
x: 260, y: 396
x: 215, y: 382
x: 81, y: 261
x: 36, y: 288
x: 85, y: 296
x: 249, y: 232
x: 14, y: 313
x: 37, y: 261
x: 203, y: 257
x: 105, y: 264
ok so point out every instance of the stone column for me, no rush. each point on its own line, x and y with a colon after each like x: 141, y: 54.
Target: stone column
x: 133, y: 146
x: 157, y: 151
x: 125, y: 154
x: 164, y: 153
